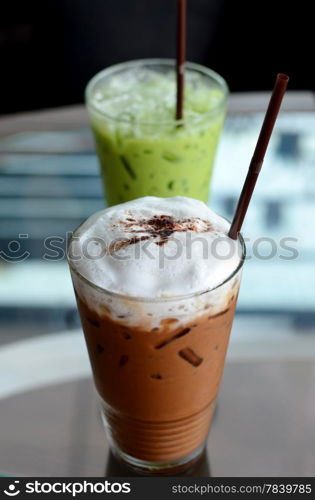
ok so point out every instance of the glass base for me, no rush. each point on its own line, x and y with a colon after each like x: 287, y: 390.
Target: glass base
x: 153, y: 467
x: 171, y: 468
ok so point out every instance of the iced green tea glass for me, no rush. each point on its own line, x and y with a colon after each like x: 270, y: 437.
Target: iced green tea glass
x: 142, y: 149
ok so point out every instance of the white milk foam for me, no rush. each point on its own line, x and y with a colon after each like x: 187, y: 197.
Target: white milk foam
x: 155, y: 248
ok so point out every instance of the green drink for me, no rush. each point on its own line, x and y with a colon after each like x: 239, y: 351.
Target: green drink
x: 141, y: 148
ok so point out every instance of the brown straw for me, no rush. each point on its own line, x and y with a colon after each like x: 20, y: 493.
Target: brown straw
x: 259, y: 153
x: 181, y: 57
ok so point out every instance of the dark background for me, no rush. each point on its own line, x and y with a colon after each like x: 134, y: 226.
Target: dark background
x: 50, y: 49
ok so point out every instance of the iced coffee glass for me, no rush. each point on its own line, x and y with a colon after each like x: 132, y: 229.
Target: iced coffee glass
x: 157, y: 365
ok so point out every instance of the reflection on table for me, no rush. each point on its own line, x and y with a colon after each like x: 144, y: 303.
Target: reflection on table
x: 49, y: 183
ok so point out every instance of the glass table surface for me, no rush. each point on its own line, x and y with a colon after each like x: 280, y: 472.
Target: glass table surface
x: 265, y: 420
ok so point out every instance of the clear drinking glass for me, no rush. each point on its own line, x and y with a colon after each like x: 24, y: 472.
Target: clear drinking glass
x: 146, y: 151
x: 157, y: 366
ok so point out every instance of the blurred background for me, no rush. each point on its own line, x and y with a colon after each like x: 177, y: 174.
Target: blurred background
x: 50, y: 50
x: 49, y: 183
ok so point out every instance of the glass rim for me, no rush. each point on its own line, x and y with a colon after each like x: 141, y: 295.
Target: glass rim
x: 173, y: 298
x: 155, y: 62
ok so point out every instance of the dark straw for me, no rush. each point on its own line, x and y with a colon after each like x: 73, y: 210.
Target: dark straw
x: 259, y: 154
x: 181, y: 57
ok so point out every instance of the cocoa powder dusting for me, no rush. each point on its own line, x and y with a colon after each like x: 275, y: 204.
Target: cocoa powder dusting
x: 159, y: 227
